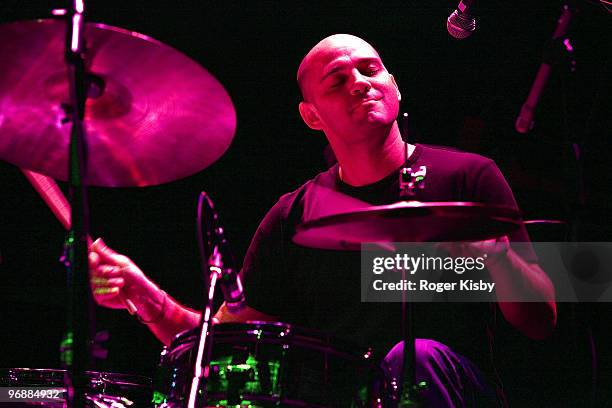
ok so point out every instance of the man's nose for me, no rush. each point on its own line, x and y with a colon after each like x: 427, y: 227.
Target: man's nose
x: 360, y: 85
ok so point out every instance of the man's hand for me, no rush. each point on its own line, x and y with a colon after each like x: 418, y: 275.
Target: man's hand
x: 515, y: 279
x: 116, y: 281
x: 493, y: 248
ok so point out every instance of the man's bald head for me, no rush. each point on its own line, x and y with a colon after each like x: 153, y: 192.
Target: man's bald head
x: 318, y: 52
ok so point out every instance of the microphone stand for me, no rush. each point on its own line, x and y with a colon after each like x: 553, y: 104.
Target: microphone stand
x: 205, y: 336
x: 552, y: 54
x: 211, y: 258
x: 80, y: 316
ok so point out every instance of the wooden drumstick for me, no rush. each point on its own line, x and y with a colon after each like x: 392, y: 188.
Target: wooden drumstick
x: 51, y: 194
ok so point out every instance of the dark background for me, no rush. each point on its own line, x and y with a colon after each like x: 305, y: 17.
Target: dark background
x: 464, y: 94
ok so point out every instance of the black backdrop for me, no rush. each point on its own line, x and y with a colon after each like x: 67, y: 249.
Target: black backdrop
x: 464, y: 94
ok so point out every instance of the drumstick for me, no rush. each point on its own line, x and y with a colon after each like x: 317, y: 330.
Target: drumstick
x: 51, y: 194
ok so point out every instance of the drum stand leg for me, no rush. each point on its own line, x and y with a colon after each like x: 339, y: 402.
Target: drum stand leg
x: 410, y: 393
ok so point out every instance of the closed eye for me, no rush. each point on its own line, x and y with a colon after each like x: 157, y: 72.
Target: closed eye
x: 370, y: 71
x: 336, y: 81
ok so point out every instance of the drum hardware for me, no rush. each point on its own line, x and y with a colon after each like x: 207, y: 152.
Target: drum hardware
x: 240, y: 371
x: 80, y: 320
x: 122, y: 110
x: 98, y: 347
x: 255, y: 364
x: 558, y: 48
x: 217, y: 263
x: 160, y: 116
x: 261, y: 364
x: 408, y: 391
x: 407, y: 221
x: 52, y: 195
x: 102, y: 390
x: 410, y: 180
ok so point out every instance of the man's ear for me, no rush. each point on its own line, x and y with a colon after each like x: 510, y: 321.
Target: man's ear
x: 310, y: 115
x: 399, y: 95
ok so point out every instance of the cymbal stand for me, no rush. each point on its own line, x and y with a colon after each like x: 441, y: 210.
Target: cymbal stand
x: 80, y: 316
x: 409, y: 392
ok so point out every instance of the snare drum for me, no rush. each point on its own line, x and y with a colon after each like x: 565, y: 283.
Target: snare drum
x: 104, y: 390
x: 271, y: 365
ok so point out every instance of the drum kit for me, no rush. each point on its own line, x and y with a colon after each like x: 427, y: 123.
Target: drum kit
x: 144, y: 130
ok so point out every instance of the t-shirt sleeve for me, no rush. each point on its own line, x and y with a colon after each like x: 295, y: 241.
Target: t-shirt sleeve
x: 492, y: 188
x: 263, y: 270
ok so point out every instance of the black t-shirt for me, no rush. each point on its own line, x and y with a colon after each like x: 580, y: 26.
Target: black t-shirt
x: 321, y: 288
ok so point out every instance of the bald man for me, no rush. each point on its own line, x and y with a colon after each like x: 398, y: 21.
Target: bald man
x: 349, y: 95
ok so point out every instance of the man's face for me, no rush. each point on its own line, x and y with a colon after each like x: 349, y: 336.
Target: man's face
x: 347, y: 87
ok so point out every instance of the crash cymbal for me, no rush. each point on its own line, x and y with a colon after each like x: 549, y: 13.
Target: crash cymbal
x: 408, y: 221
x: 154, y: 115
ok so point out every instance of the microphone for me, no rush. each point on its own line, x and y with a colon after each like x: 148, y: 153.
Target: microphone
x: 217, y: 256
x: 231, y: 284
x: 461, y: 23
x: 524, y: 121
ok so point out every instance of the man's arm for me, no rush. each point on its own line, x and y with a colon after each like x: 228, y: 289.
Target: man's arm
x: 118, y: 283
x: 175, y: 318
x: 517, y: 275
x: 115, y: 279
x: 246, y: 313
x: 516, y: 278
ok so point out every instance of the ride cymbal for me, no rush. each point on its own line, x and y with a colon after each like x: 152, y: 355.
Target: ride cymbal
x: 153, y: 114
x: 408, y: 221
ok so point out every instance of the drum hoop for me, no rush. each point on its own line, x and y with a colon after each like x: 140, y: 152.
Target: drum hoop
x: 26, y: 373
x: 270, y: 333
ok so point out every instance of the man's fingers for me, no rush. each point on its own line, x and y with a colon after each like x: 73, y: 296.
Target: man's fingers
x: 96, y: 245
x: 99, y: 281
x: 94, y: 260
x: 116, y: 282
x: 104, y: 292
x: 130, y: 306
x: 107, y: 271
x: 110, y: 283
x: 107, y: 255
x: 110, y: 271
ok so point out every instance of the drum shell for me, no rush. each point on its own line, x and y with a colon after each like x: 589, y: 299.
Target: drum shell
x: 103, y: 386
x: 272, y: 364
